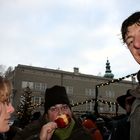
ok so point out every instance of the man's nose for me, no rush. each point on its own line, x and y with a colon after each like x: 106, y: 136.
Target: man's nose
x: 10, y: 108
x: 137, y: 42
x: 60, y: 110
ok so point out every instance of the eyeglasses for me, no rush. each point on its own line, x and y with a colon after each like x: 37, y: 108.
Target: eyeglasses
x: 57, y: 109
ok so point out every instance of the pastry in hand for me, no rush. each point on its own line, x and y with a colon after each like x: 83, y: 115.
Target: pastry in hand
x: 63, y: 120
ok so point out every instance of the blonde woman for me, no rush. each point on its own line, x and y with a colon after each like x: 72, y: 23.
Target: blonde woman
x: 6, y: 108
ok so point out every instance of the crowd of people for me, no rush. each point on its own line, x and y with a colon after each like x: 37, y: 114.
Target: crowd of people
x: 59, y: 122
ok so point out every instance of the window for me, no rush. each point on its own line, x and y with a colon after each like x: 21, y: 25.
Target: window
x: 40, y: 86
x: 27, y: 84
x: 110, y: 94
x: 113, y: 108
x: 90, y: 92
x: 43, y: 86
x: 34, y: 85
x: 69, y: 89
x: 36, y: 100
x: 37, y: 86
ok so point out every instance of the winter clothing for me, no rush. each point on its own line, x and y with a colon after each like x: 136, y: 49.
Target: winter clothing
x: 92, y: 128
x: 136, y: 92
x: 121, y: 129
x: 55, y: 95
x: 135, y: 120
x: 31, y: 132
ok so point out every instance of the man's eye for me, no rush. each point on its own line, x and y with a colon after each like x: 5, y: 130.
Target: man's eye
x: 53, y: 109
x: 7, y: 102
x: 130, y: 42
x: 65, y: 107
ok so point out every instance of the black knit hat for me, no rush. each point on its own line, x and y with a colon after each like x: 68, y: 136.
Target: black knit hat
x: 55, y: 95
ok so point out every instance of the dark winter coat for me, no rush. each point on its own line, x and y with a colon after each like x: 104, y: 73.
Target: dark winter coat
x: 31, y: 132
x: 121, y: 130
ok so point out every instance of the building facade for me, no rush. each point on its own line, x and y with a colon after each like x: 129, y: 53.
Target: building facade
x: 81, y: 88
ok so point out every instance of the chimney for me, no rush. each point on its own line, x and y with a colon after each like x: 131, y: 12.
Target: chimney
x: 76, y: 70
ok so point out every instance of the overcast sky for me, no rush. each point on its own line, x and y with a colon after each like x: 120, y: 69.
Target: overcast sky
x: 62, y: 34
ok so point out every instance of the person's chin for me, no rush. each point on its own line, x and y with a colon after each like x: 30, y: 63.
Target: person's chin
x: 137, y: 59
x: 5, y: 129
x: 7, y: 126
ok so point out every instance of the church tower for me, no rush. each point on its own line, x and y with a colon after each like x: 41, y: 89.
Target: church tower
x: 108, y: 73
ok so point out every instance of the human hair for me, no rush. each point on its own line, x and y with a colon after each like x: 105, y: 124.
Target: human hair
x: 132, y: 19
x: 5, y: 89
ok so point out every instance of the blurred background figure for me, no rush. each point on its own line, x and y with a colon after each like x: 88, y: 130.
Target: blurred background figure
x: 121, y: 126
x: 101, y: 124
x: 91, y: 127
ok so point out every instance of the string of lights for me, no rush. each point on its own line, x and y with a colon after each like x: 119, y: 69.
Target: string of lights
x: 101, y: 85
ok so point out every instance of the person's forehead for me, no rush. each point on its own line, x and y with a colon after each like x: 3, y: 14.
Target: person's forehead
x: 131, y: 29
x: 58, y: 105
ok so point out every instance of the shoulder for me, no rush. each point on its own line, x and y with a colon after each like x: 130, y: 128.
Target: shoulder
x: 135, y: 107
x: 31, y: 130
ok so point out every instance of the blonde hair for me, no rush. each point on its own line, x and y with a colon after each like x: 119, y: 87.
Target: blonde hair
x: 5, y: 89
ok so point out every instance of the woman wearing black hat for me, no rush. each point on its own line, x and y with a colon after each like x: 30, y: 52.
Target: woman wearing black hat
x: 62, y: 125
x: 59, y: 122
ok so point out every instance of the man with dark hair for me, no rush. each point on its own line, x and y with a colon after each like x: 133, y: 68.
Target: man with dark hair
x: 131, y: 34
x: 58, y: 122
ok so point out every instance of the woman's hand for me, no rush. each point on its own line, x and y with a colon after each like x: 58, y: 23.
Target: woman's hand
x: 47, y: 131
